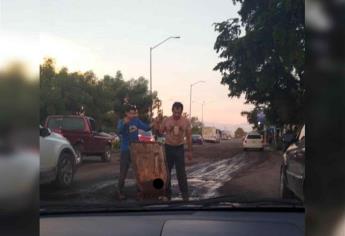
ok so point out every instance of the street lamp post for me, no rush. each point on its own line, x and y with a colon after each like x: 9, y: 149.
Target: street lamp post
x: 151, y: 48
x: 190, y: 96
x: 202, y: 112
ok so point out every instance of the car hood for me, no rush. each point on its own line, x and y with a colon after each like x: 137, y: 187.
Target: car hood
x: 59, y: 137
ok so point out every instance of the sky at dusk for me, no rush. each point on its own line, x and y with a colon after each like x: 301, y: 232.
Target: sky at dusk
x: 106, y: 36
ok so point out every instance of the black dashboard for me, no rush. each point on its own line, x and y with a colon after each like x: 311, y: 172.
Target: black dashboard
x: 173, y: 223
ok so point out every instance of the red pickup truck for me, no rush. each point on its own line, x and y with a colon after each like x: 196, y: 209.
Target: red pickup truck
x: 81, y: 133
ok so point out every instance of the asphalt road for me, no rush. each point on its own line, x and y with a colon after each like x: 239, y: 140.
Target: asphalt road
x: 216, y: 170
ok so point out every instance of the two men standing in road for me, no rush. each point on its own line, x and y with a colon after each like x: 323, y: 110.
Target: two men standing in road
x: 176, y: 128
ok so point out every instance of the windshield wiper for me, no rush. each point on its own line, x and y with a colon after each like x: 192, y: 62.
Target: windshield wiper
x: 87, y: 207
x: 226, y: 201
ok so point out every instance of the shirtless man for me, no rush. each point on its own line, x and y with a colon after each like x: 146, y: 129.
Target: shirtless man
x: 177, y: 128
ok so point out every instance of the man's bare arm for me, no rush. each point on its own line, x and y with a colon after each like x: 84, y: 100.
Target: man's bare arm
x: 189, y: 139
x: 189, y: 143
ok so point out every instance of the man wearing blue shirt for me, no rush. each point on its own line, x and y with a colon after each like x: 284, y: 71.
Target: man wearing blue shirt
x: 128, y: 130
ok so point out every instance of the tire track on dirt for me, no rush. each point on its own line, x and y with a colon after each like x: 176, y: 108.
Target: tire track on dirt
x: 205, y: 179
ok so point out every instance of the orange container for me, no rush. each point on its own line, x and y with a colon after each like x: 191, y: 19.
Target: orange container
x: 149, y: 164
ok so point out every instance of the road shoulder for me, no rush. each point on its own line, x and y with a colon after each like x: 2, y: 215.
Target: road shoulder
x: 259, y: 181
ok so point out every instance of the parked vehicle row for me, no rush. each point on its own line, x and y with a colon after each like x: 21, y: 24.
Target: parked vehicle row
x: 292, y: 172
x: 64, y: 141
x: 81, y: 133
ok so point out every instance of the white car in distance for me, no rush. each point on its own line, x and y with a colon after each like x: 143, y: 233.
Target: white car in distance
x: 253, y: 140
x: 58, y: 159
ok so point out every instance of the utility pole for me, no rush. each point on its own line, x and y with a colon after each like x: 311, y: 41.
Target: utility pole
x: 151, y: 48
x: 202, y: 112
x: 190, y: 96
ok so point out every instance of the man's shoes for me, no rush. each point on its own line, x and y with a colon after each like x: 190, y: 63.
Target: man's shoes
x: 121, y: 196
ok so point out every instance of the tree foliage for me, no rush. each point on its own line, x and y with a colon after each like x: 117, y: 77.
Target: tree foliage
x: 196, y: 125
x: 239, y: 133
x: 263, y: 57
x: 63, y: 92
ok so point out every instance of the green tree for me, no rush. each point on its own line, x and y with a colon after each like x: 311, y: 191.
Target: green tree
x: 63, y: 92
x: 196, y: 125
x: 263, y: 57
x: 252, y: 117
x: 239, y: 133
x: 139, y: 95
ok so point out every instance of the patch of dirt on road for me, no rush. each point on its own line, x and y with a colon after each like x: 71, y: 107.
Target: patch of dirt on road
x: 260, y: 181
x: 214, y: 152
